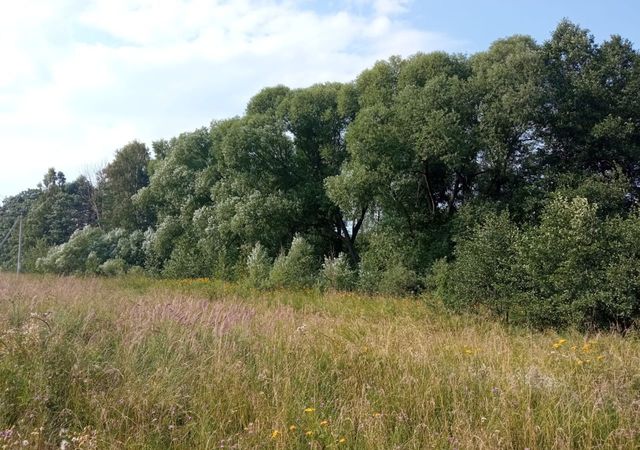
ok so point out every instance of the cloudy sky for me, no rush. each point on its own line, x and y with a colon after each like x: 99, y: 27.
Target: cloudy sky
x: 81, y: 78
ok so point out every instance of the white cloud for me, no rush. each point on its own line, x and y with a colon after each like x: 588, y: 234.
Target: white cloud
x: 386, y: 7
x: 82, y: 78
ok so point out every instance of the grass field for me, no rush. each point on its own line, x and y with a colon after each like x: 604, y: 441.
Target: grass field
x: 137, y: 363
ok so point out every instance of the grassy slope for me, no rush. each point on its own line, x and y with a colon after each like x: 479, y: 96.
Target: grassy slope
x: 134, y: 363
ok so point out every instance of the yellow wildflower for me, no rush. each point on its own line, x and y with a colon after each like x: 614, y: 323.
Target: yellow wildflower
x: 309, y: 433
x: 342, y: 440
x: 309, y: 410
x: 292, y: 428
x: 559, y: 343
x: 324, y: 422
x: 377, y: 414
x: 275, y: 434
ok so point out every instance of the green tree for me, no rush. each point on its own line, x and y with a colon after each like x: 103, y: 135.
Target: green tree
x: 119, y: 181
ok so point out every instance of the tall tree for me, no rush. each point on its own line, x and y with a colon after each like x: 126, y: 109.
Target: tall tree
x: 119, y: 181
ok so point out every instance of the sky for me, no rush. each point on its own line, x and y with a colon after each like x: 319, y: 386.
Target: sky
x: 81, y: 78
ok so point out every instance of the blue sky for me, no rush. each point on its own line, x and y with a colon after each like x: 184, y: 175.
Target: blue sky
x: 478, y: 23
x: 81, y: 78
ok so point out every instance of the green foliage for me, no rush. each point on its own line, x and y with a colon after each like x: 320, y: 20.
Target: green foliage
x: 482, y: 273
x: 258, y: 267
x: 297, y: 268
x: 91, y: 264
x: 187, y: 259
x: 10, y: 211
x: 398, y: 280
x: 71, y: 257
x: 113, y: 267
x: 573, y: 268
x: 336, y: 273
x: 268, y: 100
x: 561, y: 260
x: 92, y: 251
x: 119, y: 181
x: 158, y: 244
x: 383, y: 267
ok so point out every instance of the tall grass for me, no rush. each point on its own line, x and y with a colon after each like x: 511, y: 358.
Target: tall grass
x: 135, y: 363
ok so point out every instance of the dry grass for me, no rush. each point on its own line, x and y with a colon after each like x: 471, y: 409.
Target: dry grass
x: 134, y: 363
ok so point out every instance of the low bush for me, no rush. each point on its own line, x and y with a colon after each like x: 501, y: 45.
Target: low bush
x: 258, y: 267
x: 113, y: 267
x: 336, y: 274
x: 89, y: 249
x: 575, y: 268
x: 297, y: 268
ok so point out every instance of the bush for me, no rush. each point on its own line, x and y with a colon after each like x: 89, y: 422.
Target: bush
x: 88, y: 249
x: 186, y: 260
x: 560, y: 262
x: 575, y: 268
x: 71, y: 257
x: 337, y: 274
x: 483, y: 267
x: 386, y: 264
x: 258, y: 267
x: 159, y: 244
x: 92, y: 264
x: 297, y: 268
x: 129, y: 247
x: 398, y: 280
x: 113, y: 267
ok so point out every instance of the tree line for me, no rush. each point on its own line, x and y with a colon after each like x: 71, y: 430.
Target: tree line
x: 506, y: 180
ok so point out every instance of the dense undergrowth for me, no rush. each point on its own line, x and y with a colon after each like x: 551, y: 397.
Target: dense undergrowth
x: 140, y: 363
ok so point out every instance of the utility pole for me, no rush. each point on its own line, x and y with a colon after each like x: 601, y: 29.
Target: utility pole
x: 19, y: 245
x: 9, y: 232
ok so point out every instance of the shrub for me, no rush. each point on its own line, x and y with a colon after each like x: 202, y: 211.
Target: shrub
x: 618, y: 301
x: 159, y: 244
x: 113, y: 267
x: 92, y: 264
x: 560, y: 262
x: 186, y: 260
x: 129, y: 247
x: 397, y: 279
x: 258, y: 267
x: 88, y: 249
x: 386, y: 264
x: 71, y: 256
x: 483, y: 267
x: 337, y: 274
x: 297, y: 268
x: 576, y: 267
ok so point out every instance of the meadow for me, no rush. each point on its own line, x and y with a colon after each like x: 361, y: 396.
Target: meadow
x: 195, y: 364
